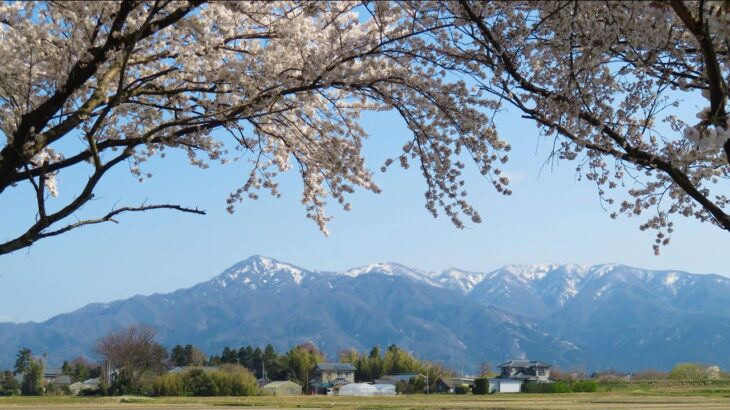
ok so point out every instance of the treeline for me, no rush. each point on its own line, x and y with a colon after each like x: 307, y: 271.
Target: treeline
x: 132, y: 362
x: 297, y: 364
x: 680, y: 372
x: 375, y: 364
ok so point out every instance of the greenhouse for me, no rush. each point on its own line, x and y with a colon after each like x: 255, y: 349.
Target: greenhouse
x: 384, y: 389
x: 357, y: 389
x: 366, y: 389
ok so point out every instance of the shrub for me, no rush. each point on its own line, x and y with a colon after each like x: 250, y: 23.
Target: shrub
x: 91, y: 392
x: 534, y: 387
x: 462, y: 389
x: 584, y: 386
x: 481, y: 385
x: 57, y: 390
x: 687, y: 371
x: 199, y: 383
x: 196, y: 382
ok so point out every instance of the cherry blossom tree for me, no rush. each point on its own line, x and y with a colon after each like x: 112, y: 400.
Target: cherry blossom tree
x: 609, y: 81
x: 282, y: 85
x: 92, y: 85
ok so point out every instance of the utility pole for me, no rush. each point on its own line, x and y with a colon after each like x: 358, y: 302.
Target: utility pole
x: 428, y: 390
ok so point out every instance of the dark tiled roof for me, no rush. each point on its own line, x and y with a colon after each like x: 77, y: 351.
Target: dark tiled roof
x: 401, y: 376
x: 457, y: 381
x: 340, y: 367
x: 63, y: 379
x: 52, y: 371
x: 182, y: 369
x: 524, y: 363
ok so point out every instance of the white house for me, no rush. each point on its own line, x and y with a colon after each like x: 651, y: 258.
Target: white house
x: 515, y: 372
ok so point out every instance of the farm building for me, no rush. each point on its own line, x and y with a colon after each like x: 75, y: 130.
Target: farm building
x: 505, y: 385
x: 448, y: 384
x: 283, y: 388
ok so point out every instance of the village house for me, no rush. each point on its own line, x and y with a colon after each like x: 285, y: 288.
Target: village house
x: 328, y: 377
x: 51, y: 373
x: 525, y: 370
x: 516, y: 372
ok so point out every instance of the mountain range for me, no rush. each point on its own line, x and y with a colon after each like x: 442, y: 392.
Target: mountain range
x: 582, y: 317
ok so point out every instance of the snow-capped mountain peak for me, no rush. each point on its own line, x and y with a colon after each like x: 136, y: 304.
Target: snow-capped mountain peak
x: 393, y: 269
x: 260, y: 270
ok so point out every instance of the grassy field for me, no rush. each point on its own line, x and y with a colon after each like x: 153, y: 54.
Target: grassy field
x: 614, y: 395
x: 639, y: 399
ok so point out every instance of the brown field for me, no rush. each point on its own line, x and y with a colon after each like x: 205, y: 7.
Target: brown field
x: 673, y: 398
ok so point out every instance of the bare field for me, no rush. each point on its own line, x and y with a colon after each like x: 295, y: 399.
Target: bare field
x: 603, y: 400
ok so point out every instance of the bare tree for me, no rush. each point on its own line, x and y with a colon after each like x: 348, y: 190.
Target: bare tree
x: 129, y: 353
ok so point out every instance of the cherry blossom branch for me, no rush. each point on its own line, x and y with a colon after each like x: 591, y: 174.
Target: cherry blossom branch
x: 630, y: 153
x: 109, y: 217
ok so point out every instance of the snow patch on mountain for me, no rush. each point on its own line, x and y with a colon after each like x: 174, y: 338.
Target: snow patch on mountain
x: 670, y: 281
x: 459, y: 279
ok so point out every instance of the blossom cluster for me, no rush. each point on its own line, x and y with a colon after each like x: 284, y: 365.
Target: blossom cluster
x: 284, y: 84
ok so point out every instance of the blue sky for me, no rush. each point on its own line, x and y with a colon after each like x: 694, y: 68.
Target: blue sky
x: 551, y: 218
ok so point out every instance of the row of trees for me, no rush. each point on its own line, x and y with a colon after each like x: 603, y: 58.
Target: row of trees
x: 680, y: 372
x: 135, y: 363
x: 297, y: 364
x: 394, y: 360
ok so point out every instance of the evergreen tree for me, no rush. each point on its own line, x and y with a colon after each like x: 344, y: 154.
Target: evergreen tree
x: 398, y: 360
x: 248, y: 358
x: 177, y: 356
x: 23, y: 360
x: 188, y: 352
x: 215, y: 360
x: 229, y: 355
x: 375, y: 366
x: 257, y: 361
x: 271, y: 362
